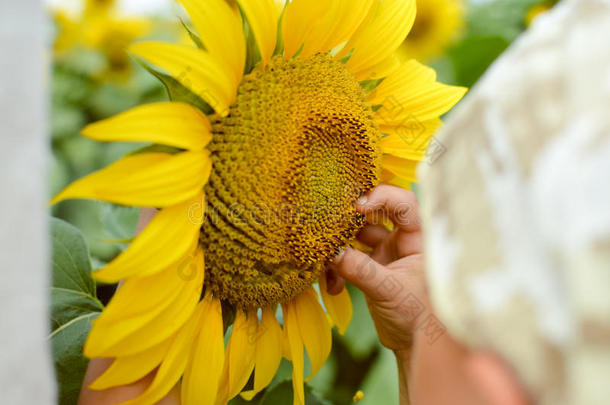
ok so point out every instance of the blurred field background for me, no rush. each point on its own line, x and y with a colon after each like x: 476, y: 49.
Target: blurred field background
x: 91, y: 78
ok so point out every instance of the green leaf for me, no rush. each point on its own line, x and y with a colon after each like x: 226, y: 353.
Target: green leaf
x: 74, y: 305
x: 114, y: 151
x: 67, y: 305
x: 86, y: 62
x: 323, y: 381
x: 282, y: 394
x: 86, y: 215
x: 381, y: 383
x: 505, y: 18
x: 59, y: 174
x: 71, y: 265
x: 70, y: 365
x: 177, y: 92
x: 109, y: 99
x: 473, y: 55
x: 119, y: 223
x: 81, y: 154
x: 68, y: 87
x: 66, y: 120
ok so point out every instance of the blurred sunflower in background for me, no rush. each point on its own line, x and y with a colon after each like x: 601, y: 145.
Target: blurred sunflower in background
x: 537, y: 10
x: 437, y: 25
x: 280, y: 119
x: 100, y: 27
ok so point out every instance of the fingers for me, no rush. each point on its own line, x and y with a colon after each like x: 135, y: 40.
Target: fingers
x: 363, y: 272
x: 334, y: 283
x: 372, y: 235
x: 398, y: 204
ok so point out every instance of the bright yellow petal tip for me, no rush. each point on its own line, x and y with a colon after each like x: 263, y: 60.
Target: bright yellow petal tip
x: 144, y: 180
x: 170, y: 123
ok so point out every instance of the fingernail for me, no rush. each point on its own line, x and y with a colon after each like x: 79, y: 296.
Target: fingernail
x: 339, y: 256
x: 362, y: 200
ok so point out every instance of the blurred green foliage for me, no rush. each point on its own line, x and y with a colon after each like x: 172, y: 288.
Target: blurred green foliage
x: 79, y: 95
x: 491, y: 25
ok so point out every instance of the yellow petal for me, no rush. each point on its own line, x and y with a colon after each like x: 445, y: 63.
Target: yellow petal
x: 386, y: 27
x: 410, y: 140
x: 174, y: 363
x: 403, y: 168
x: 268, y: 353
x: 390, y: 178
x: 220, y: 29
x: 203, y: 374
x: 172, y: 124
x: 112, y: 336
x: 239, y: 361
x: 351, y: 15
x: 401, y: 80
x: 168, y: 238
x: 433, y: 102
x: 319, y: 26
x: 195, y: 69
x: 427, y: 103
x: 314, y: 328
x: 420, y: 101
x: 142, y: 296
x: 380, y: 70
x: 338, y: 307
x: 411, y: 92
x: 126, y: 370
x: 295, y: 345
x: 279, y: 6
x: 300, y: 18
x: 320, y: 23
x: 144, y: 180
x: 262, y: 16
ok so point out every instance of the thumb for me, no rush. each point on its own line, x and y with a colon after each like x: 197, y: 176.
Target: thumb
x: 375, y: 281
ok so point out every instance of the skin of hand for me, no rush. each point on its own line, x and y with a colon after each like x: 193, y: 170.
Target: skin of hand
x: 434, y: 369
x: 392, y: 276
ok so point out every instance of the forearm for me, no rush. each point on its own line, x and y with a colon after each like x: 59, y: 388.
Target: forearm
x: 403, y: 362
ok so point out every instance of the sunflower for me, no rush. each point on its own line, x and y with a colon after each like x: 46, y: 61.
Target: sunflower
x: 300, y: 110
x: 537, y: 10
x: 436, y: 26
x: 99, y: 27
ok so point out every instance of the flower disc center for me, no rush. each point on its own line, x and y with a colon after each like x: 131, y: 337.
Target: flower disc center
x: 296, y: 151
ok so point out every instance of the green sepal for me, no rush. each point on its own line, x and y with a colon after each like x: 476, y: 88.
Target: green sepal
x: 177, y: 92
x: 347, y: 57
x: 155, y: 148
x: 279, y: 43
x: 370, y: 85
x: 253, y: 55
x: 196, y: 39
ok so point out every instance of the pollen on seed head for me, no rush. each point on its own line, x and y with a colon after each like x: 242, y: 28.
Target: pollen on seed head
x: 296, y: 151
